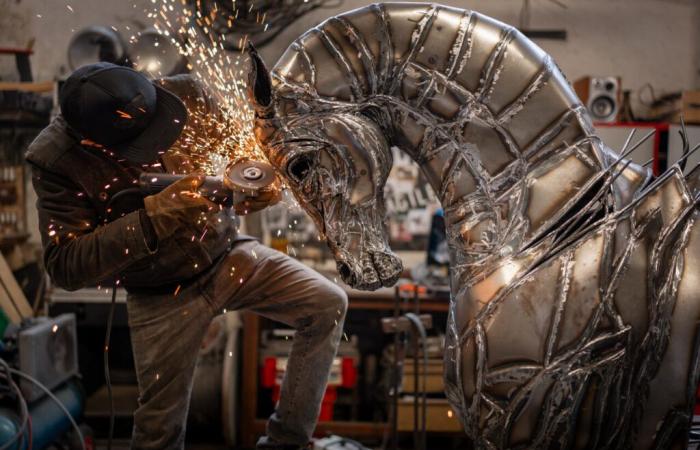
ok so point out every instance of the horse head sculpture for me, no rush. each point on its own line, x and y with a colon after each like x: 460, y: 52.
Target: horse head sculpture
x: 549, y: 231
x: 337, y: 165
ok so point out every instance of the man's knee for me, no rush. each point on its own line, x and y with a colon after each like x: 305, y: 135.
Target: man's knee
x: 335, y: 298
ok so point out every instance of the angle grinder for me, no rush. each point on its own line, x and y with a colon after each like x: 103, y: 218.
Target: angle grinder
x: 240, y: 180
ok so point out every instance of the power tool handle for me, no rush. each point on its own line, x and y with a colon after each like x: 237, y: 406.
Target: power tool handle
x: 212, y: 187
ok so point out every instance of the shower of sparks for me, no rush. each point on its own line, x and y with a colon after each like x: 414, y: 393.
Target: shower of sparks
x: 228, y: 135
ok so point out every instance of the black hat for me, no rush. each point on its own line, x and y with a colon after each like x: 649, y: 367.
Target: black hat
x: 120, y: 109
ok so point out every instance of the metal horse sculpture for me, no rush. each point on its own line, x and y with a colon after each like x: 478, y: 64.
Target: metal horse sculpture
x: 575, y: 281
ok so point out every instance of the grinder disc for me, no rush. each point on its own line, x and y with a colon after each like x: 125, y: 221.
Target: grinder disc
x: 249, y: 176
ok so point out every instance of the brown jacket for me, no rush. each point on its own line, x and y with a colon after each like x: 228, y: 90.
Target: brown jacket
x: 89, y: 236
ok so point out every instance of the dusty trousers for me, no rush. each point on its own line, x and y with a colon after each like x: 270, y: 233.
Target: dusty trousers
x: 167, y: 330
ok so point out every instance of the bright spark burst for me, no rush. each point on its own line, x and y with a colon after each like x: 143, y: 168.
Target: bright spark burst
x: 228, y: 135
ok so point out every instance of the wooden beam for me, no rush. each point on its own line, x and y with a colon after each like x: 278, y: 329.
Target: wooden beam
x: 43, y: 86
x: 12, y: 299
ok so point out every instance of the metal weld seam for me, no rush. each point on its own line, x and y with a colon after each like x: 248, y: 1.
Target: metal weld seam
x: 425, y: 146
x: 469, y: 38
x: 569, y: 227
x: 548, y: 134
x: 428, y: 91
x: 458, y: 45
x: 418, y: 38
x: 386, y: 46
x: 452, y: 167
x: 458, y: 366
x: 468, y: 105
x: 294, y: 86
x: 662, y: 245
x: 583, y: 156
x: 660, y: 308
x: 492, y: 403
x: 425, y: 115
x: 447, y: 175
x: 511, y: 145
x: 537, y: 83
x: 522, y: 394
x: 436, y: 150
x: 480, y: 345
x: 494, y: 65
x: 358, y: 41
x: 609, y: 279
x: 564, y: 149
x: 514, y: 373
x: 309, y: 65
x: 564, y: 287
x: 609, y: 218
x: 342, y: 62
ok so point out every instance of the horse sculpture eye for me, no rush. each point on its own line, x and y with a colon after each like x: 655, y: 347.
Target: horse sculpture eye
x: 299, y: 167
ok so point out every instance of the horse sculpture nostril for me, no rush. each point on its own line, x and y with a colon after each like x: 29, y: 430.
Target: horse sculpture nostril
x: 344, y: 271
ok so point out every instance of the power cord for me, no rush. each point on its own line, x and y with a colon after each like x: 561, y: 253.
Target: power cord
x: 422, y: 336
x: 8, y: 370
x: 108, y: 381
x: 24, y: 410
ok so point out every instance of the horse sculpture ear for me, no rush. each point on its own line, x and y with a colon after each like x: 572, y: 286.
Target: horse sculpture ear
x: 259, y: 85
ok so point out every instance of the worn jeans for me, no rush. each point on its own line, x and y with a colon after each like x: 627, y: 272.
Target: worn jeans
x: 167, y: 330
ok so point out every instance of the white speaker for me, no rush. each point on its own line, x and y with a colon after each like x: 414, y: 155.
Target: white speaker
x: 602, y: 96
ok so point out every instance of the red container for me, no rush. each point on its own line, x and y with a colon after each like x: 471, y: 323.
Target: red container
x: 271, y: 373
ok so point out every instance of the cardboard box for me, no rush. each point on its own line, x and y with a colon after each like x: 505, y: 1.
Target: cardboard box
x: 690, y: 107
x: 687, y: 104
x: 434, y: 381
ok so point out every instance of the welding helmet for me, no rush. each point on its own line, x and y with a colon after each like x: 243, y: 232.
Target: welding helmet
x: 123, y: 111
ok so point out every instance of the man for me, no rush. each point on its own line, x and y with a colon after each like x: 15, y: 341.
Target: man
x: 177, y: 254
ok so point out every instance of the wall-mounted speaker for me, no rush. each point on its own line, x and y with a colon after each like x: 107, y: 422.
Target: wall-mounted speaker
x: 602, y: 96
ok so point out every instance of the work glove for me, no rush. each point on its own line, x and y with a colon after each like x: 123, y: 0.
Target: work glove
x: 180, y: 208
x: 267, y: 196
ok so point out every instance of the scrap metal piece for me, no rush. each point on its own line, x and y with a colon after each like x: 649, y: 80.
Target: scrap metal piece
x: 575, y: 281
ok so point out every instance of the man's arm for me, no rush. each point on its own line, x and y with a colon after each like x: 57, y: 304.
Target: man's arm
x: 77, y: 250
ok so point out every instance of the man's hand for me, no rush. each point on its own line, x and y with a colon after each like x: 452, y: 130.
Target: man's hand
x: 266, y: 197
x: 180, y: 206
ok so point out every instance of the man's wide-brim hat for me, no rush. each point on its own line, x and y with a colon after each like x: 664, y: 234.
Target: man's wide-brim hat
x: 123, y: 111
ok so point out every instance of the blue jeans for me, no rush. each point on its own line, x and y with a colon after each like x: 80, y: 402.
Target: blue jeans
x: 166, y: 332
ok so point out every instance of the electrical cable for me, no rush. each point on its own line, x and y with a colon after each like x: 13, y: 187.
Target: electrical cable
x: 390, y: 432
x: 29, y: 433
x: 56, y: 400
x: 423, y: 338
x: 124, y: 193
x: 24, y: 410
x: 105, y: 360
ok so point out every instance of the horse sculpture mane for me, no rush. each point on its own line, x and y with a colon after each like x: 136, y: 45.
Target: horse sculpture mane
x: 574, y: 274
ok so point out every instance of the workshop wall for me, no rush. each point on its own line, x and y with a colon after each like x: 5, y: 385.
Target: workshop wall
x: 643, y: 41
